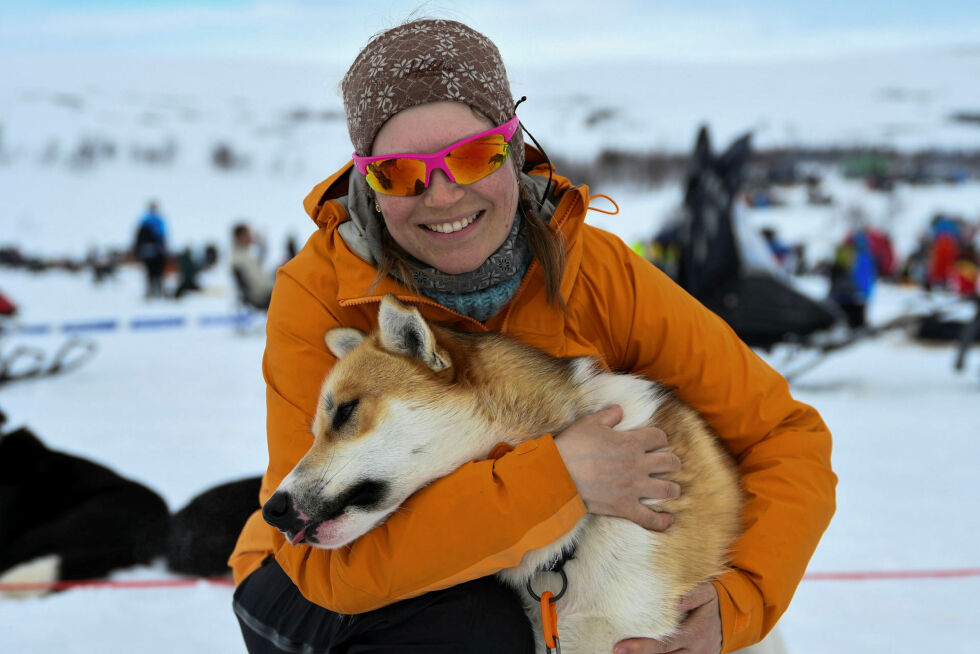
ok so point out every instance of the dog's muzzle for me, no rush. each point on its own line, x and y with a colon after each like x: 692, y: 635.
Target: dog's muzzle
x: 281, y: 513
x: 284, y: 513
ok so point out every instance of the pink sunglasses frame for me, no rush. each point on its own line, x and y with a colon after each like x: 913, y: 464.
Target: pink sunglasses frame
x: 437, y: 160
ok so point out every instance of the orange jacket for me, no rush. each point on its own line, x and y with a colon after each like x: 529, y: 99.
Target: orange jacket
x: 486, y: 515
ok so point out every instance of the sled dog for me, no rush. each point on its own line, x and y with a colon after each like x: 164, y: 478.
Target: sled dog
x: 64, y: 517
x: 411, y: 402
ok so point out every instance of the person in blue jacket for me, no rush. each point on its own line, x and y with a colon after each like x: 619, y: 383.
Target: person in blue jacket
x: 150, y: 248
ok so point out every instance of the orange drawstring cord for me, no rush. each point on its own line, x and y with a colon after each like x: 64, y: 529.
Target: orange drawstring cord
x: 602, y: 195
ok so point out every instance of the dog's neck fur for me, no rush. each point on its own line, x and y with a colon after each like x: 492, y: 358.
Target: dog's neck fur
x: 507, y: 379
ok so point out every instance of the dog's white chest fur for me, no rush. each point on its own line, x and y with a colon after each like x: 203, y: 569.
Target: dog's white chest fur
x: 613, y: 590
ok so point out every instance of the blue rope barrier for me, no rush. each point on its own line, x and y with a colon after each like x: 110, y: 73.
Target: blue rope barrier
x: 234, y: 319
x: 173, y: 322
x: 90, y: 326
x: 140, y: 324
x: 35, y: 330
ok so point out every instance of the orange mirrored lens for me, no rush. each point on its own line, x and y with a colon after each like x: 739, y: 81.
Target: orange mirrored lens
x: 475, y: 160
x: 398, y: 176
x: 468, y: 163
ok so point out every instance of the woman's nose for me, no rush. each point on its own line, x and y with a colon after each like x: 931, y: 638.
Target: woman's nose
x: 441, y: 191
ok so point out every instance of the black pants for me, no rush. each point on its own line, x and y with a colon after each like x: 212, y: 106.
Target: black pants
x: 479, y: 617
x: 155, y: 267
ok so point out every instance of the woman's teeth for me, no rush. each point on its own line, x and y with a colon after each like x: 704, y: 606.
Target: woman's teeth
x: 449, y: 228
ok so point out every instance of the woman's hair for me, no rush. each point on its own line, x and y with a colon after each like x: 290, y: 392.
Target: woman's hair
x: 546, y: 243
x: 548, y: 246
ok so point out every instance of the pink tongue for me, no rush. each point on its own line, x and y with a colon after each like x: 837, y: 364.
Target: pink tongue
x: 298, y: 537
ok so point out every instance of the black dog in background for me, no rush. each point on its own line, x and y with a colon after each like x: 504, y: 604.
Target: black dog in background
x: 205, y: 531
x: 63, y: 517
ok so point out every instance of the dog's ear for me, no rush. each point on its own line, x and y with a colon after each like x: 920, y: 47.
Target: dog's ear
x: 341, y: 340
x: 404, y: 331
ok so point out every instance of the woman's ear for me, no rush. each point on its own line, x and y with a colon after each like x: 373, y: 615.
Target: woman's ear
x: 373, y: 199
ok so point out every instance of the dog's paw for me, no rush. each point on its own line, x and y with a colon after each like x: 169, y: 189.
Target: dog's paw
x: 42, y: 570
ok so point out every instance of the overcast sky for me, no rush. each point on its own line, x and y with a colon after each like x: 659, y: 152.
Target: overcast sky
x: 551, y: 32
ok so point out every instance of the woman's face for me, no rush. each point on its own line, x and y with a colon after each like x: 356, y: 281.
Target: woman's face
x: 489, y: 202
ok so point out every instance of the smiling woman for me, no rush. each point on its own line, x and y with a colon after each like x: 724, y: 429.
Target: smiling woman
x: 445, y: 208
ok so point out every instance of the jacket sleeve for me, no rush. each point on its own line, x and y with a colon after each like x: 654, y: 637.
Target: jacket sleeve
x: 781, y: 446
x: 478, y: 520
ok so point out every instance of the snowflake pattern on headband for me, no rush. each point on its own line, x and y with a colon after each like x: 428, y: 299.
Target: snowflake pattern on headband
x: 420, y: 62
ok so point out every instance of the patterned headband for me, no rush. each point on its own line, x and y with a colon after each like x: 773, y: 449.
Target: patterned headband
x: 425, y: 61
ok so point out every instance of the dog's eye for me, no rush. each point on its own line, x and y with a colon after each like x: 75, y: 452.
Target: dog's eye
x: 343, y: 414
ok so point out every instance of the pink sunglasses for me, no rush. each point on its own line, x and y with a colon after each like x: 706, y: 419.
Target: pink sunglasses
x: 464, y: 162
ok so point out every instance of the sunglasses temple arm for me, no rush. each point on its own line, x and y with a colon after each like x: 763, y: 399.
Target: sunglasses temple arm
x: 547, y: 188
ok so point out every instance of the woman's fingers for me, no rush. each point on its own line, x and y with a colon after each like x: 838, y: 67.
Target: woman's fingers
x: 608, y: 417
x: 658, y: 490
x: 616, y: 471
x: 650, y: 438
x: 659, y: 463
x: 650, y: 519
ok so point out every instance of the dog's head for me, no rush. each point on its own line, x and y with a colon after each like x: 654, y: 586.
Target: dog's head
x: 386, y: 424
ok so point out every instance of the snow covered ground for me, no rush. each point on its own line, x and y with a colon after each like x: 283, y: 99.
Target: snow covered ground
x: 183, y: 409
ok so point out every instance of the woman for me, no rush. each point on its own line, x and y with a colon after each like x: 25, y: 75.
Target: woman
x: 502, y: 246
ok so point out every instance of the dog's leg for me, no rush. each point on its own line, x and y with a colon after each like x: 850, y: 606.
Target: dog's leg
x: 42, y: 570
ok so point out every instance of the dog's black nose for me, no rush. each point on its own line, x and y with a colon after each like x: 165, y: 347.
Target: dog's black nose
x: 279, y: 513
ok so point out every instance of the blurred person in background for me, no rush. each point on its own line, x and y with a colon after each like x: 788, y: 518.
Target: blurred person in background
x: 852, y: 278
x: 504, y: 247
x: 254, y: 280
x: 150, y: 247
x: 944, y: 233
x: 189, y: 266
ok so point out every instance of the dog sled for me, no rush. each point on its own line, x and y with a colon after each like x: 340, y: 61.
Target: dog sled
x: 709, y: 250
x: 23, y: 362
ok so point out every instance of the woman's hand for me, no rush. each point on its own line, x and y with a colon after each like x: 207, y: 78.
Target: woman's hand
x: 614, y: 470
x: 699, y: 633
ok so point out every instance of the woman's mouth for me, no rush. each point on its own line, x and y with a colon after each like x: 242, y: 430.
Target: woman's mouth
x: 454, y: 226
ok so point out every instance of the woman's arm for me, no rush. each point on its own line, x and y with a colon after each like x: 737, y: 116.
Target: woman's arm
x: 474, y: 522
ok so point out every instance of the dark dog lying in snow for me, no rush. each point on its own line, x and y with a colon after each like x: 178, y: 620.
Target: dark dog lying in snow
x: 63, y: 517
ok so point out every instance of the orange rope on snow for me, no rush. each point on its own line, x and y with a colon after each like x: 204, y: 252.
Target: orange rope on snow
x: 892, y: 574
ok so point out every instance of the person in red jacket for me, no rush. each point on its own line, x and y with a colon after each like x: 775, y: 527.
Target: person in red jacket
x: 491, y: 239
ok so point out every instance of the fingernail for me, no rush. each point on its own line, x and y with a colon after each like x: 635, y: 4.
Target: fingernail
x: 621, y: 650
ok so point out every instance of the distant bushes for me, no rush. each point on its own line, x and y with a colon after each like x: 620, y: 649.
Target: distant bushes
x: 224, y: 157
x: 778, y: 165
